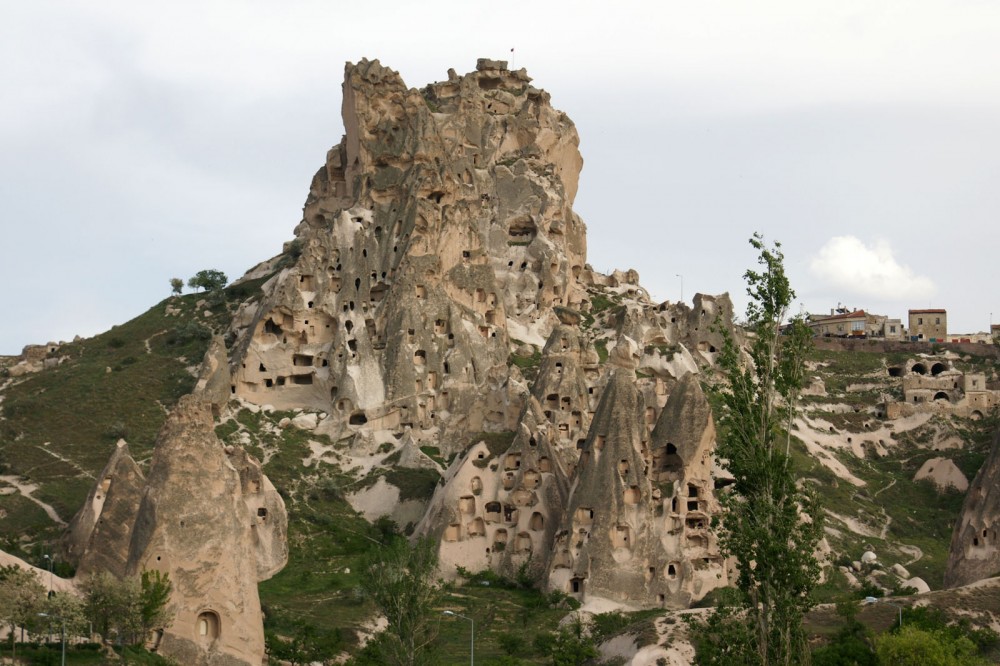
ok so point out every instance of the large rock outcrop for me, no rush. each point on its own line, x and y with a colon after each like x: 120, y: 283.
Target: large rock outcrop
x: 440, y: 228
x: 206, y: 515
x: 975, y: 548
x: 193, y: 523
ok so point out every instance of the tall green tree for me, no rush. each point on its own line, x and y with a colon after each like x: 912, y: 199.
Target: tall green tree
x: 176, y: 285
x: 400, y: 581
x: 771, y: 525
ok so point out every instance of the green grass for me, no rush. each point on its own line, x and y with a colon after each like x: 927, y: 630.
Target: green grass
x: 60, y: 425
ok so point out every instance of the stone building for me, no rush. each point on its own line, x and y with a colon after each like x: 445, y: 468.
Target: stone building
x: 842, y: 323
x: 930, y: 324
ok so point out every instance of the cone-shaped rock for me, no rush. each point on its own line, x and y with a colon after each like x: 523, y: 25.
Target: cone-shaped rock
x: 682, y: 445
x: 98, y: 536
x: 501, y: 511
x: 194, y: 524
x: 975, y: 548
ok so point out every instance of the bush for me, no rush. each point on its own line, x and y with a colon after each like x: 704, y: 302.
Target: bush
x: 912, y: 646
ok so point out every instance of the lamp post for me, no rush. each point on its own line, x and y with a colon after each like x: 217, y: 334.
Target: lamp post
x: 682, y: 285
x: 874, y: 600
x: 62, y: 634
x: 472, y: 640
x: 48, y: 560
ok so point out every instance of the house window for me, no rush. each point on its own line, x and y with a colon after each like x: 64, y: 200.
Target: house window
x: 892, y: 329
x: 857, y: 325
x: 920, y: 321
x: 937, y: 320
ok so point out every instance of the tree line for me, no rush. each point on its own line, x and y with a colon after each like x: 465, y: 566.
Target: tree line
x: 122, y: 611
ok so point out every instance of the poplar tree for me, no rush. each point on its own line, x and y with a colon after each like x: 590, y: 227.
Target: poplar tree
x: 770, y: 524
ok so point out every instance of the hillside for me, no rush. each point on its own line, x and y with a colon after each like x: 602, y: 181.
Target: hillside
x: 432, y: 354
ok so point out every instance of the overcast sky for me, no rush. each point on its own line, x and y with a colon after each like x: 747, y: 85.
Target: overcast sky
x: 143, y: 141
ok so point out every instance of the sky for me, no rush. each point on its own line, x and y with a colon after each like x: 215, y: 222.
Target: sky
x: 145, y: 141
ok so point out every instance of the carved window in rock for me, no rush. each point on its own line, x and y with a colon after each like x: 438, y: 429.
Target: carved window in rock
x: 467, y: 504
x: 632, y: 495
x: 621, y: 536
x: 672, y: 570
x: 512, y: 461
x: 670, y: 460
x: 544, y: 465
x: 208, y: 626
x: 584, y: 516
x: 537, y: 522
x: 599, y: 442
x: 508, y: 480
x: 623, y: 466
x: 476, y: 528
x: 453, y: 532
x: 523, y: 544
x: 532, y: 479
x: 476, y: 485
x: 522, y: 497
x: 493, y: 512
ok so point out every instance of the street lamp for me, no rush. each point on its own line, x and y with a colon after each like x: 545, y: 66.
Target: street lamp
x: 682, y: 285
x: 472, y: 640
x: 874, y: 600
x: 62, y: 635
x: 48, y: 560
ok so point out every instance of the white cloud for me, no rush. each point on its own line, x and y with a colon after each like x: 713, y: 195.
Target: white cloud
x: 872, y: 271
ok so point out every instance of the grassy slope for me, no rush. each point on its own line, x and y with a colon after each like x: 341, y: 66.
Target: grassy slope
x: 916, y: 513
x: 60, y: 425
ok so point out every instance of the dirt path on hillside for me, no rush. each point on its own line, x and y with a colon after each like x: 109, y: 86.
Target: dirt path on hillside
x: 26, y: 490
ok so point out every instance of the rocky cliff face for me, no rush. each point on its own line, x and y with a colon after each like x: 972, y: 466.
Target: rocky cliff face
x: 438, y: 246
x: 440, y: 229
x: 975, y: 548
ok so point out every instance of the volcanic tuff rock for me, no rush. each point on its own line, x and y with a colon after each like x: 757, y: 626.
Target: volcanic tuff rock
x: 440, y: 228
x: 975, y: 548
x: 206, y: 515
x: 98, y: 536
x: 194, y: 524
x: 438, y: 245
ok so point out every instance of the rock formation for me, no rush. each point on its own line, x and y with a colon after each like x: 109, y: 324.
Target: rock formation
x: 439, y: 229
x: 206, y: 515
x: 975, y: 548
x: 194, y: 524
x: 438, y: 245
x: 98, y: 536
